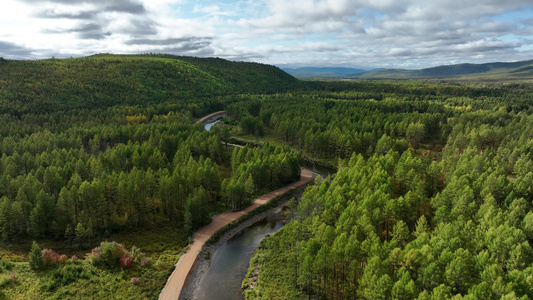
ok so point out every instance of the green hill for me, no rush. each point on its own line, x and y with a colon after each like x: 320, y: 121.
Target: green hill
x: 312, y: 72
x: 105, y: 80
x: 497, y: 70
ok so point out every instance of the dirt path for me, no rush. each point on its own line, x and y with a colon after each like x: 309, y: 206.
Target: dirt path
x: 233, y: 145
x: 214, y: 115
x: 185, y: 264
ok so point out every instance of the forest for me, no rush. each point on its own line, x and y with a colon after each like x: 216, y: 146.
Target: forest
x: 432, y: 198
x: 104, y: 176
x: 103, y: 147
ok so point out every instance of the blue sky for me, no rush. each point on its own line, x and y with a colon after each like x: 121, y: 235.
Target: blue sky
x: 288, y: 33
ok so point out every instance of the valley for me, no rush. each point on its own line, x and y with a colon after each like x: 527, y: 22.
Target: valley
x: 108, y: 174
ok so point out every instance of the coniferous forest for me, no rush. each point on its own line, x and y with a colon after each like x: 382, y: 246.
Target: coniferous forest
x: 433, y: 197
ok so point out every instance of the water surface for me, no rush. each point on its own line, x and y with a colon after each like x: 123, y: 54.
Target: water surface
x: 208, y: 125
x: 230, y: 262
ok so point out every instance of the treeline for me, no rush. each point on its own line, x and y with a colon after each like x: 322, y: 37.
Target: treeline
x: 411, y: 224
x: 331, y: 129
x: 259, y: 170
x: 122, y: 177
x: 91, y: 178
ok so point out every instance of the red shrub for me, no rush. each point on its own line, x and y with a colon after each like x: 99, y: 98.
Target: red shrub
x: 50, y: 256
x: 126, y: 262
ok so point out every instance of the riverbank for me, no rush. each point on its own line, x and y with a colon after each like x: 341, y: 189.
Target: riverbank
x: 177, y: 279
x: 203, y: 261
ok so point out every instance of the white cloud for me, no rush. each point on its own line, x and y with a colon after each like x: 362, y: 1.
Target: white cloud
x: 358, y: 33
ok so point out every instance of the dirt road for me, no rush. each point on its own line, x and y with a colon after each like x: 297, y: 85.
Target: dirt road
x: 185, y: 264
x: 212, y: 117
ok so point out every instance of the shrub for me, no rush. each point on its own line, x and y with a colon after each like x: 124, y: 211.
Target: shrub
x: 126, y: 262
x: 136, y: 253
x: 5, y: 281
x: 135, y: 280
x: 93, y: 257
x: 145, y: 262
x: 50, y: 257
x: 63, y: 276
x: 13, y: 275
x: 113, y: 254
x: 6, y: 265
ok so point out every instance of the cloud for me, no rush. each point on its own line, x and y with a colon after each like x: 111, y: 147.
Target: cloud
x: 53, y: 14
x: 528, y: 22
x: 91, y: 31
x: 210, y: 10
x: 124, y: 6
x: 134, y: 26
x: 171, y: 41
x: 382, y: 30
x: 86, y: 31
x: 8, y: 49
x: 188, y: 49
x: 200, y: 46
x: 98, y: 19
x: 357, y: 33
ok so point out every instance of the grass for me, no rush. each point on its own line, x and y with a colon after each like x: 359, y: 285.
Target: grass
x: 81, y: 280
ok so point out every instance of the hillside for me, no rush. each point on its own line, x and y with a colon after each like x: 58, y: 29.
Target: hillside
x: 497, y: 70
x: 312, y: 72
x: 106, y: 80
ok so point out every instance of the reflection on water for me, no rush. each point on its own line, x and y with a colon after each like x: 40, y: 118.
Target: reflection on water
x: 323, y: 171
x: 230, y: 262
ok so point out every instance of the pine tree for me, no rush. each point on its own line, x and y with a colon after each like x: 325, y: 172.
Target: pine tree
x: 36, y: 259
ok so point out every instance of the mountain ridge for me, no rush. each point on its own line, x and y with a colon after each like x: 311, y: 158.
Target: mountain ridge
x: 324, y: 72
x: 488, y: 70
x: 492, y: 70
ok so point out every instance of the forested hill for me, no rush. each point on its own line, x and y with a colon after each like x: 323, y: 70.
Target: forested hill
x: 312, y: 72
x: 497, y: 70
x: 105, y: 80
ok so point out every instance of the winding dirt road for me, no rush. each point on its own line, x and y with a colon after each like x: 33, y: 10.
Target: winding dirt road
x: 214, y: 115
x: 177, y: 279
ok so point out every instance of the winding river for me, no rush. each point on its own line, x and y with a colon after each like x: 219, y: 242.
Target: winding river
x: 230, y: 262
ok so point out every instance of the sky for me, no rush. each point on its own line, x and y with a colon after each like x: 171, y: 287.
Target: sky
x: 365, y: 34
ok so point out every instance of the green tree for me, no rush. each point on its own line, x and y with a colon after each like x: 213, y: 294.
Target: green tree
x: 36, y: 259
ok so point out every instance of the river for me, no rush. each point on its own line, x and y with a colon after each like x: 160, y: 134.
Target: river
x: 230, y: 262
x: 209, y: 125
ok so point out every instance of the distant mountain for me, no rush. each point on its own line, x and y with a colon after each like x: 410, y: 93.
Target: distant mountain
x: 312, y: 72
x: 496, y: 70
